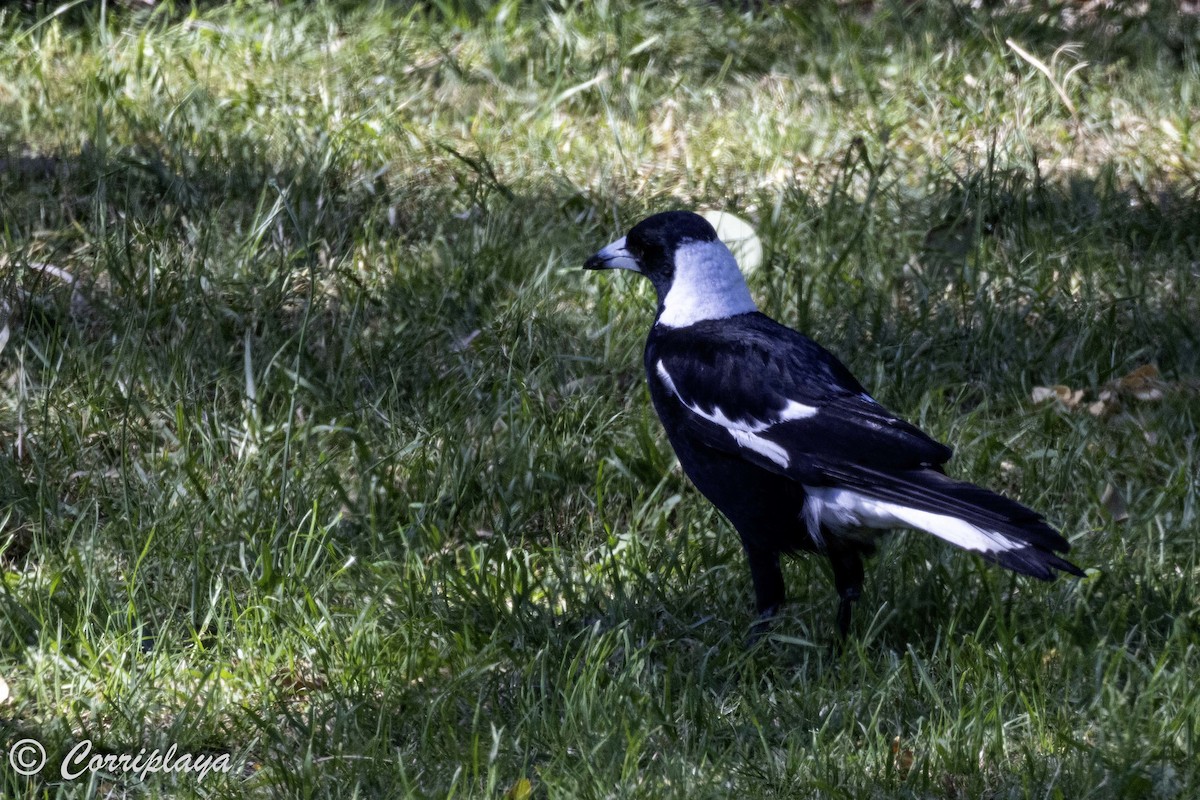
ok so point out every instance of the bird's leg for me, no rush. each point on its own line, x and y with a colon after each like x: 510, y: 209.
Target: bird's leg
x: 844, y: 609
x: 848, y: 578
x: 768, y: 589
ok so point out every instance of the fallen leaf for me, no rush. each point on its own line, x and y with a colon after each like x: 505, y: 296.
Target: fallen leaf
x: 1067, y: 397
x: 1070, y: 398
x: 521, y: 790
x: 1110, y: 400
x: 902, y: 757
x: 1144, y: 372
x: 1143, y: 383
x: 1041, y: 394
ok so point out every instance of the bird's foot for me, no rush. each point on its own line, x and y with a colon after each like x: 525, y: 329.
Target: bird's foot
x: 761, y: 625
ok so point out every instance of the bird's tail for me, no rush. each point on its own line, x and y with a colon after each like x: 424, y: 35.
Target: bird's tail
x: 966, y: 515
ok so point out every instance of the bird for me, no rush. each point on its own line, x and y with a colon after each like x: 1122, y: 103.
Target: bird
x: 787, y: 444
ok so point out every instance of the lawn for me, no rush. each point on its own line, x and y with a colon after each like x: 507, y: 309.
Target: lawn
x: 319, y: 452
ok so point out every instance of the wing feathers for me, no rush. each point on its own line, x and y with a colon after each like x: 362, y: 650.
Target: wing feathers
x: 744, y: 430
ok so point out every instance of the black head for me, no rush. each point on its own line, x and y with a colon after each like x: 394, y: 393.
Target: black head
x: 655, y: 239
x: 649, y: 247
x: 693, y: 272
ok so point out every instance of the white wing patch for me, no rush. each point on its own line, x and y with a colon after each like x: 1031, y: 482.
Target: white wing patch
x: 843, y: 508
x: 764, y: 447
x: 745, y: 431
x: 794, y: 410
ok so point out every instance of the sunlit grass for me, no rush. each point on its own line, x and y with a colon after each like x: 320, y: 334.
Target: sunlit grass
x: 325, y: 453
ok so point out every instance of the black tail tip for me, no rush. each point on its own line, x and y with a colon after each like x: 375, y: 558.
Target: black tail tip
x: 1037, y: 563
x: 1071, y: 569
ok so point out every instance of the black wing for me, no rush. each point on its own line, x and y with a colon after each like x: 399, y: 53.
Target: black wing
x: 753, y: 387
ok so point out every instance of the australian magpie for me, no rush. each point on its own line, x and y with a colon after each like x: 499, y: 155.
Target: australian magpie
x: 785, y: 442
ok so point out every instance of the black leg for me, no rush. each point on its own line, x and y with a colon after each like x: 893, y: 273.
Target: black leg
x: 848, y: 579
x: 845, y: 606
x: 769, y: 593
x: 768, y: 581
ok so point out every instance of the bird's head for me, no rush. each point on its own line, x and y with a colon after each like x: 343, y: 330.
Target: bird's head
x: 693, y: 272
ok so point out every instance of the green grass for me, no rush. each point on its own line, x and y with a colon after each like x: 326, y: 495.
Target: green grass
x: 333, y: 460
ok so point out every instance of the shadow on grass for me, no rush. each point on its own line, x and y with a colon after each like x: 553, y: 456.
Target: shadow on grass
x: 424, y: 338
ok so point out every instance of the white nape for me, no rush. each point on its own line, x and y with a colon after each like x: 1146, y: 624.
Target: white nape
x: 707, y: 285
x: 739, y: 236
x: 844, y: 508
x: 744, y: 431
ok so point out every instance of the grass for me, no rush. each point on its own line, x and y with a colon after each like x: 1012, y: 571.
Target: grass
x: 331, y: 458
